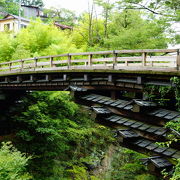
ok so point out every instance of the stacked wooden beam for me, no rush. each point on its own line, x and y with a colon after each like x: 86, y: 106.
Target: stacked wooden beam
x: 139, y: 125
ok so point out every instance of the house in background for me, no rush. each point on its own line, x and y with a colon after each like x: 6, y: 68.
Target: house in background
x: 11, y: 23
x: 31, y: 11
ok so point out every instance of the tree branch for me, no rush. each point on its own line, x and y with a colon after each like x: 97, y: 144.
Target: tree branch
x: 147, y: 8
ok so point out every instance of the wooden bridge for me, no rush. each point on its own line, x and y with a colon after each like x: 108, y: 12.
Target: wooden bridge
x: 128, y: 68
x: 98, y: 80
x: 149, y: 59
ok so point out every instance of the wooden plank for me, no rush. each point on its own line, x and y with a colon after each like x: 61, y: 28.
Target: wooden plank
x: 93, y: 53
x: 162, y: 58
x: 80, y: 54
x: 5, y: 63
x: 147, y: 51
x: 102, y: 60
x: 30, y: 65
x: 14, y: 67
x: 15, y: 61
x: 4, y: 68
x: 54, y: 56
x: 131, y: 58
x: 79, y: 61
x: 60, y: 62
x: 164, y: 64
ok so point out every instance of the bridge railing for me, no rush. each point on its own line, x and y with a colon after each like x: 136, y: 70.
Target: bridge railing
x: 117, y: 59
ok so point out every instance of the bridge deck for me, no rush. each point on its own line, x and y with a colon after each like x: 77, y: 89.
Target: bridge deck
x: 140, y: 61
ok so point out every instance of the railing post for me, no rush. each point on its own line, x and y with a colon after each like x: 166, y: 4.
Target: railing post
x: 90, y: 60
x: 22, y: 64
x: 35, y: 63
x: 178, y: 59
x: 51, y: 62
x: 10, y: 64
x: 69, y: 61
x: 114, y: 59
x: 144, y: 55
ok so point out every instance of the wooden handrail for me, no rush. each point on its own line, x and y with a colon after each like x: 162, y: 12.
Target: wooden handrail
x: 92, y: 60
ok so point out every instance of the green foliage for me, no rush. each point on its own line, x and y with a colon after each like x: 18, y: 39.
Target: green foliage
x: 13, y: 163
x: 129, y: 31
x: 146, y: 177
x: 61, y: 15
x: 176, y: 82
x: 125, y: 30
x: 126, y: 165
x: 78, y: 173
x: 56, y: 131
x: 9, y: 6
x: 6, y: 47
x: 41, y: 39
x: 167, y: 8
x: 38, y: 3
x: 176, y: 174
x: 162, y: 95
x: 37, y: 39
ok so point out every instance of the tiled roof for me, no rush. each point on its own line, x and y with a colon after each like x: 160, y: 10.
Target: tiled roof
x: 127, y: 105
x: 14, y: 17
x: 62, y: 26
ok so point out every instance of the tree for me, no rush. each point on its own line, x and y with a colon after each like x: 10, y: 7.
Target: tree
x: 167, y: 8
x: 89, y: 33
x: 38, y: 3
x: 61, y: 15
x: 9, y: 7
x: 107, y: 7
x: 13, y: 163
x: 58, y: 133
x: 36, y: 40
x: 128, y: 30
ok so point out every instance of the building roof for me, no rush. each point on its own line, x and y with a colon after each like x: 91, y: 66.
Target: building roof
x: 36, y: 7
x: 141, y: 102
x: 11, y: 16
x: 100, y: 110
x: 127, y: 133
x: 158, y: 161
x: 62, y: 26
